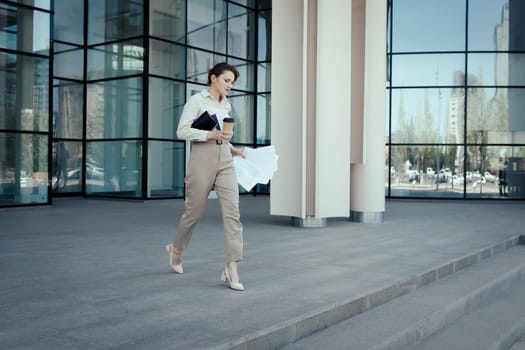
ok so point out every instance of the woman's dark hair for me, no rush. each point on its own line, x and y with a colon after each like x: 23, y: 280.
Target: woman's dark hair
x: 220, y: 68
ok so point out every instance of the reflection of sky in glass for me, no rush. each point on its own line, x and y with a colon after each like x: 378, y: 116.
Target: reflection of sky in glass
x: 41, y: 31
x: 434, y: 25
x: 430, y: 69
x: 413, y: 108
x: 483, y: 17
x: 430, y: 25
x: 261, y: 42
x: 43, y: 4
x: 420, y: 26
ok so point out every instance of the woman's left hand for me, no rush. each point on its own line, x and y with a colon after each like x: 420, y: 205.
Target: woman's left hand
x: 238, y: 151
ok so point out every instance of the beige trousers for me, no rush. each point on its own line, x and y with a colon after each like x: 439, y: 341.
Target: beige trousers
x: 211, y: 164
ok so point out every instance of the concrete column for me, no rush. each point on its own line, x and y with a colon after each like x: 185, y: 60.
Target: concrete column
x: 288, y: 127
x: 311, y: 109
x: 367, y: 200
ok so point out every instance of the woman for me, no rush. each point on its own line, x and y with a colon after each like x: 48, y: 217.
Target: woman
x: 211, y: 164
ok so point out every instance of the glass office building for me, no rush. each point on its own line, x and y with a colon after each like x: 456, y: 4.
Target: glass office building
x: 91, y: 92
x: 456, y: 93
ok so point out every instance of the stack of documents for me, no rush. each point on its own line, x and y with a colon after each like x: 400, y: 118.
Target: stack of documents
x: 258, y: 166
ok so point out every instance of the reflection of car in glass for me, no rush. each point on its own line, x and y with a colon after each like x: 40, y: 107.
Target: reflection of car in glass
x: 25, y: 180
x: 430, y: 171
x: 413, y: 175
x: 443, y: 175
x: 74, y: 173
x: 489, y: 177
x: 457, y: 180
x: 92, y: 172
x: 474, y: 176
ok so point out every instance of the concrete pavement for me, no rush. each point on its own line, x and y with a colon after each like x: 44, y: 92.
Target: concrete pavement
x: 93, y: 274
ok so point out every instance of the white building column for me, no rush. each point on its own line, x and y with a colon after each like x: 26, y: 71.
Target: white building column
x: 367, y: 199
x: 311, y: 109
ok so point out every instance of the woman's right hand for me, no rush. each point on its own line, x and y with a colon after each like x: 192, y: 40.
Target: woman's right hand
x: 214, y: 135
x: 219, y: 135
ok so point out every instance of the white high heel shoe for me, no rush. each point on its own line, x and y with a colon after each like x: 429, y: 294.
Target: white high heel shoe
x: 176, y: 267
x: 225, y: 277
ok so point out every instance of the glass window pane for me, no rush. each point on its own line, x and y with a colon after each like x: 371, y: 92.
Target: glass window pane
x: 166, y: 169
x: 248, y: 3
x: 114, y: 109
x: 199, y: 63
x: 387, y: 116
x: 264, y: 4
x: 24, y: 92
x: 69, y: 21
x: 167, y: 19
x: 166, y: 100
x: 514, y: 176
x: 431, y: 25
x: 114, y: 168
x: 516, y: 108
x: 68, y: 105
x: 428, y: 70
x: 67, y: 167
x: 496, y: 25
x: 264, y: 77
x: 495, y: 172
x: 168, y: 60
x: 115, y: 60
x: 243, y: 113
x: 114, y: 19
x: 433, y: 115
x: 241, y: 32
x: 495, y: 115
x: 264, y: 119
x: 264, y: 41
x: 207, y: 24
x: 68, y: 62
x: 425, y: 171
x: 24, y: 171
x: 24, y: 29
x: 43, y: 4
x: 246, y: 80
x: 517, y: 25
x: 499, y: 69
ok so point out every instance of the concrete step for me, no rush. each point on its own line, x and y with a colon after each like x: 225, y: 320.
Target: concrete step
x: 520, y: 344
x: 496, y: 325
x: 406, y: 321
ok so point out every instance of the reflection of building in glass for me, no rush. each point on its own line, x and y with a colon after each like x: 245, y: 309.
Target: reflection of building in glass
x: 499, y: 104
x: 516, y: 67
x: 456, y: 116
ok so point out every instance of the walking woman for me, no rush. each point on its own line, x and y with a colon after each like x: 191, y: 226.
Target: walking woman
x: 211, y: 165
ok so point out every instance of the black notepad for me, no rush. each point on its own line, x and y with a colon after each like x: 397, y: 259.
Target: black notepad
x: 204, y: 122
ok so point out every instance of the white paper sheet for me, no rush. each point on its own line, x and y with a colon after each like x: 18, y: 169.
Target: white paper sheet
x: 258, y: 167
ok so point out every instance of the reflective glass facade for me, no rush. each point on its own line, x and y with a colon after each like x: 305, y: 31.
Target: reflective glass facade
x: 91, y: 92
x: 456, y: 99
x: 25, y: 90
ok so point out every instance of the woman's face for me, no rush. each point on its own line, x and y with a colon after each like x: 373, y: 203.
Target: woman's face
x: 223, y: 83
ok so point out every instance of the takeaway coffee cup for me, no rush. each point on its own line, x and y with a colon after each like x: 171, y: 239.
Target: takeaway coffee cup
x: 227, y: 125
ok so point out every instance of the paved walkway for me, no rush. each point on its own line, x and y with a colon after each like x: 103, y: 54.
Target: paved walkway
x: 93, y: 274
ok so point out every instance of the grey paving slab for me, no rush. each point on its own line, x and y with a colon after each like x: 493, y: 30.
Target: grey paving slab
x: 90, y: 273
